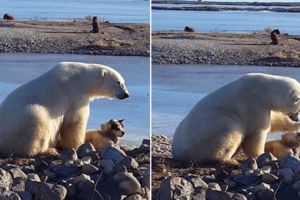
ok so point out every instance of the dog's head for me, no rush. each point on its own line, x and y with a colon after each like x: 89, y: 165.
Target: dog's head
x: 291, y: 139
x: 116, y: 127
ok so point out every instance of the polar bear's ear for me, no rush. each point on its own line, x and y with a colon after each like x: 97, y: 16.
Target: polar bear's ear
x: 102, y: 73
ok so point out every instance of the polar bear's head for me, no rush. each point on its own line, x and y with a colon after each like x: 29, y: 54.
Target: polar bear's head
x: 112, y: 84
x: 288, y: 95
x: 95, y: 80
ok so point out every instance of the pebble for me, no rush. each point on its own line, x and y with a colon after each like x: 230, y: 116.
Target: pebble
x: 68, y: 155
x: 249, y: 164
x: 291, y: 162
x: 89, y: 169
x: 264, y: 159
x: 108, y: 166
x: 269, y: 178
x: 214, y: 186
x: 127, y: 182
x: 85, y: 150
x: 6, y: 180
x: 287, y: 175
x: 175, y: 188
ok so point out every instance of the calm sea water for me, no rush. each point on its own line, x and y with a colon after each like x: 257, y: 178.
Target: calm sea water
x: 177, y: 88
x: 135, y: 11
x: 225, y: 21
x: 17, y: 69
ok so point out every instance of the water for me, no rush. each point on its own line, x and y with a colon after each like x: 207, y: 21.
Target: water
x: 16, y: 69
x: 229, y: 21
x: 177, y: 88
x: 135, y: 11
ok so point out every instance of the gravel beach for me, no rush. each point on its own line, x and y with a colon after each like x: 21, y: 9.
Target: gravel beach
x: 74, y: 37
x: 225, y: 49
x: 261, y: 178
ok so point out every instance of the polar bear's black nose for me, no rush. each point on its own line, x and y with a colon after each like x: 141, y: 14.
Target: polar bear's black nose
x: 124, y: 96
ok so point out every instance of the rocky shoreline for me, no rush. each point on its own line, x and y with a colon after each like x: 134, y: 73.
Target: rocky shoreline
x: 74, y: 37
x: 262, y: 178
x: 225, y: 49
x: 115, y: 173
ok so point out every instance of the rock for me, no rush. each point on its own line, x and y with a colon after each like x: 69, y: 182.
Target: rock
x: 249, y: 164
x: 28, y: 169
x: 9, y: 195
x: 146, y: 142
x: 85, y: 150
x: 127, y: 183
x: 133, y: 197
x: 80, y: 178
x: 5, y: 180
x: 71, y: 191
x: 33, y: 177
x: 245, y: 179
x: 175, y: 188
x: 49, y: 173
x: 68, y: 155
x: 17, y: 173
x: 287, y: 175
x: 239, y: 196
x: 296, y: 186
x: 216, y: 195
x: 199, y: 194
x: 89, y: 169
x: 266, y: 169
x: 18, y: 185
x: 113, y: 153
x: 264, y: 159
x: 24, y: 195
x: 63, y: 170
x: 269, y: 178
x: 291, y: 162
x: 108, y: 166
x: 196, y: 181
x: 40, y: 164
x: 214, y: 186
x: 86, y: 159
x: 229, y: 182
x: 146, y: 177
x: 46, y: 191
x: 128, y: 162
x: 262, y: 186
x: 86, y: 185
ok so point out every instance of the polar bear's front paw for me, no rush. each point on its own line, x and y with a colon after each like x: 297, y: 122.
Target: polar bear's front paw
x: 50, y: 152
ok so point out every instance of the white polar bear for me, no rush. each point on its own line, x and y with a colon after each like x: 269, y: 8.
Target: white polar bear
x: 55, y: 108
x: 237, y: 115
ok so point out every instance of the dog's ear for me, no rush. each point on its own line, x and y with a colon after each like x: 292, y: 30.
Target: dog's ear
x: 121, y: 120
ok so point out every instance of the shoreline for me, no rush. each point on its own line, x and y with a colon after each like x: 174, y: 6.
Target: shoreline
x: 74, y: 37
x: 220, y: 48
x: 220, y: 9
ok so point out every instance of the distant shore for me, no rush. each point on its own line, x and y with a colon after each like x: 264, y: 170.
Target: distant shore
x: 74, y: 37
x: 225, y: 49
x: 214, y: 8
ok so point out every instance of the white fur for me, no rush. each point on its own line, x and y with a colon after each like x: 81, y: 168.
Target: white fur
x: 236, y: 115
x: 55, y: 106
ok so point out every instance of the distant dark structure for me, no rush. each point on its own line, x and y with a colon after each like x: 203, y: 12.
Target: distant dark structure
x: 7, y: 16
x: 188, y: 29
x: 274, y: 36
x: 95, y: 25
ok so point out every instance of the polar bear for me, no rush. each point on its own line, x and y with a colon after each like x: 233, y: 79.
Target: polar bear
x: 236, y: 115
x: 54, y: 108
